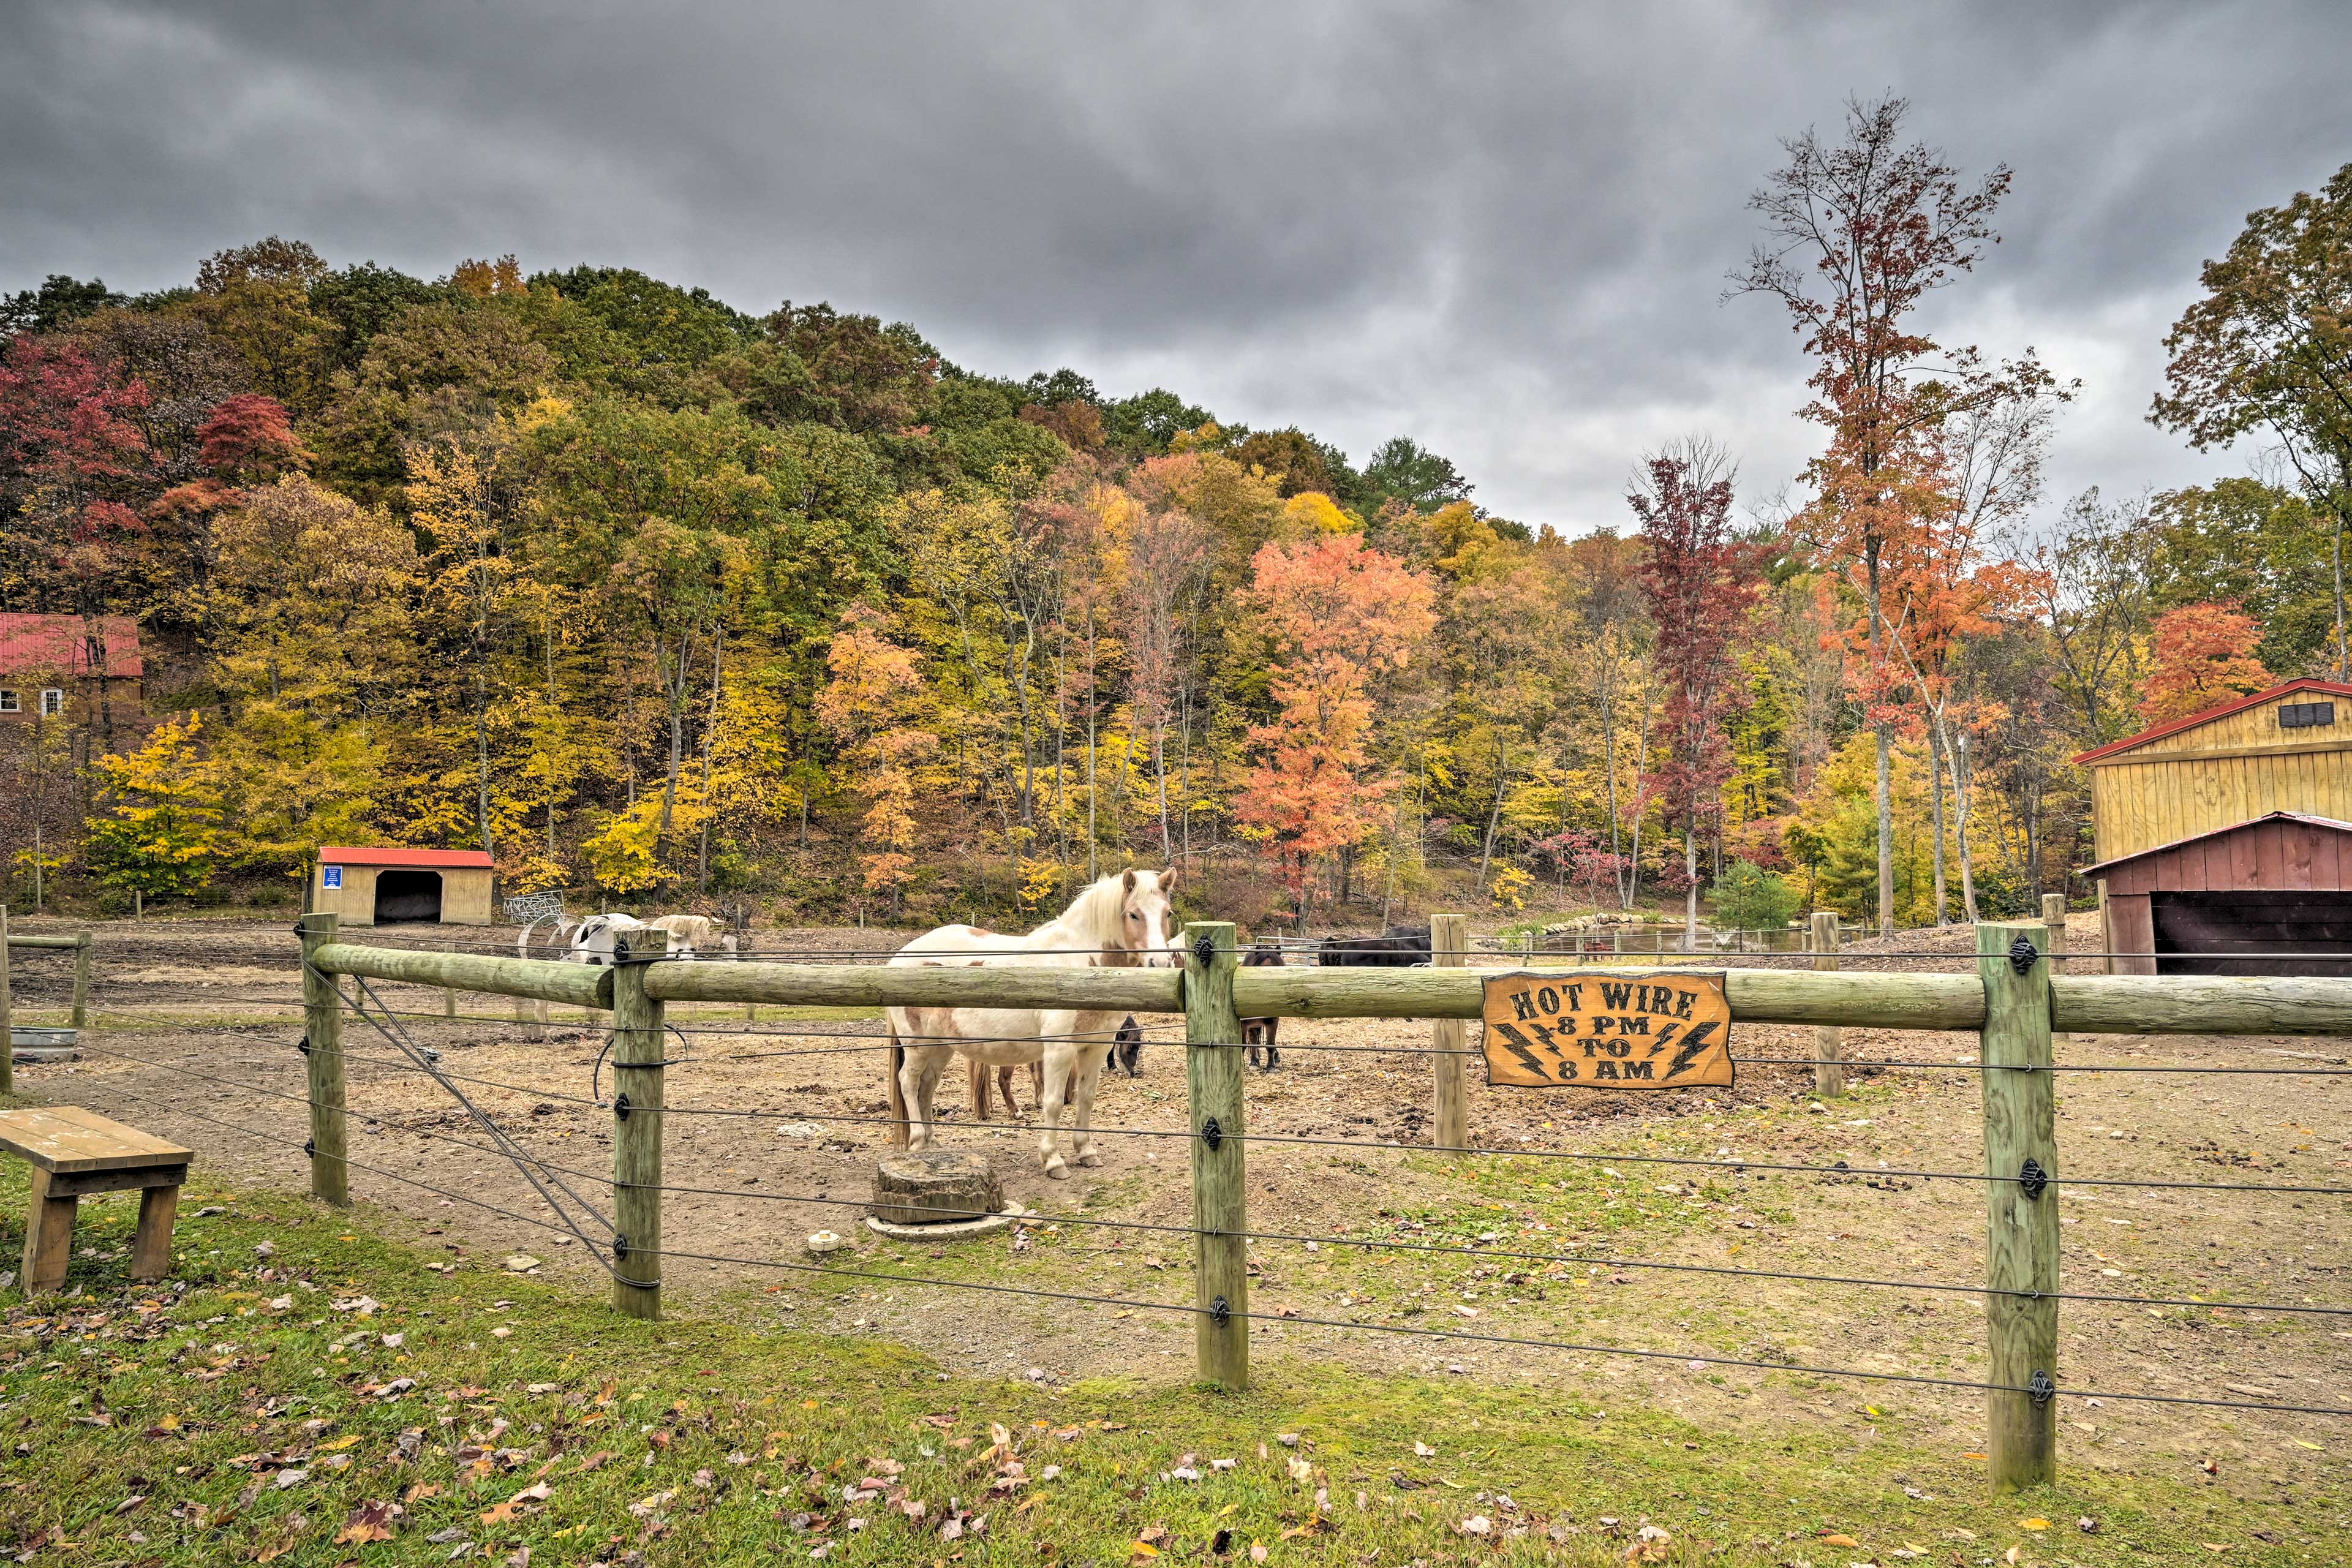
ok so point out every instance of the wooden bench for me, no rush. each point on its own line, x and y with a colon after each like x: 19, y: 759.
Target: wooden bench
x: 75, y: 1152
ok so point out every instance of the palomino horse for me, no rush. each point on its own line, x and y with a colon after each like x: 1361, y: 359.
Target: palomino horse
x: 1122, y: 921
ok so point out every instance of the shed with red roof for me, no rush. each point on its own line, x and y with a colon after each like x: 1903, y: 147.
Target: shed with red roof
x: 388, y: 884
x: 2220, y: 837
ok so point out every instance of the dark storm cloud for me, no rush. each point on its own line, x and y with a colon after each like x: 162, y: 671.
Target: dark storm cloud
x: 1503, y: 228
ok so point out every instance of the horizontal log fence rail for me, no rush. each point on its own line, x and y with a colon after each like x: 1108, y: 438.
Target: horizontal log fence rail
x: 2013, y: 1002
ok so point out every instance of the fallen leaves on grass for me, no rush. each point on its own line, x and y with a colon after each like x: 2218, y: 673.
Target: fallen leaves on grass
x: 290, y: 1532
x: 368, y: 1523
x: 518, y: 1505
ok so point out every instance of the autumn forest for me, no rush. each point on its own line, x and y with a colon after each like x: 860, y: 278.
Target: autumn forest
x: 663, y: 602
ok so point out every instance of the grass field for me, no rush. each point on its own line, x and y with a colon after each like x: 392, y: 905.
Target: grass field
x: 305, y: 1391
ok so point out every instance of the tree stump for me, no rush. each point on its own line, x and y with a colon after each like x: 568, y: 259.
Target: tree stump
x: 935, y: 1187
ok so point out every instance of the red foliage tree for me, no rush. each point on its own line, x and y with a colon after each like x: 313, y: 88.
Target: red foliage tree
x: 70, y: 459
x: 1700, y: 583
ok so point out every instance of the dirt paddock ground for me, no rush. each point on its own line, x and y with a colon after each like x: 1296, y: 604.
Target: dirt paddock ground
x: 776, y: 1125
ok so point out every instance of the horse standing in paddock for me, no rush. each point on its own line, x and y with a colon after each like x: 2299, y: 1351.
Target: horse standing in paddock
x: 1399, y: 947
x: 1122, y: 921
x: 593, y: 939
x: 1258, y: 1034
x: 1126, y: 1048
x: 687, y: 933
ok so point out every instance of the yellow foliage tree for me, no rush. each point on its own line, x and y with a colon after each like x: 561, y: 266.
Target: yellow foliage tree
x: 160, y: 835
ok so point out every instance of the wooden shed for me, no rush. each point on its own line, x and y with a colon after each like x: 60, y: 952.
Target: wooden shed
x: 2287, y: 748
x: 386, y: 885
x: 2272, y: 896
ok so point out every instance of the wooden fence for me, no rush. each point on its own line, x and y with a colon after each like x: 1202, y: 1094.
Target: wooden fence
x: 2014, y: 1003
x: 10, y: 944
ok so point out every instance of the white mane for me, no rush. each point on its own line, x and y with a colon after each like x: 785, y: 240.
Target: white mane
x: 1094, y: 919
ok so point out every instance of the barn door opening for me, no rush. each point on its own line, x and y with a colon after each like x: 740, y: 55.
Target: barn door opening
x: 407, y: 896
x: 2253, y: 933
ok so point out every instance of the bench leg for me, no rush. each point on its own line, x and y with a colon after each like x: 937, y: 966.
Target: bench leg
x: 150, y: 1249
x: 48, y: 1237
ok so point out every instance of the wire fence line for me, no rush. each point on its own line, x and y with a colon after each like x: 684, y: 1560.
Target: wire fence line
x: 1336, y: 1238
x: 1451, y: 1336
x: 640, y: 1039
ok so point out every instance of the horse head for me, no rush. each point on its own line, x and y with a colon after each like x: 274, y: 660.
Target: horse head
x: 1147, y: 919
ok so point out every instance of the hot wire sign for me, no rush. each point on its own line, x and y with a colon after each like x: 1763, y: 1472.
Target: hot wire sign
x: 1596, y: 1030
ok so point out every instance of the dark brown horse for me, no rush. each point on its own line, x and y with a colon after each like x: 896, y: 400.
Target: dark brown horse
x: 1258, y: 1034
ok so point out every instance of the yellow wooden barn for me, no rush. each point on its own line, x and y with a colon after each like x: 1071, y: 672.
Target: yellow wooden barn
x: 2216, y: 835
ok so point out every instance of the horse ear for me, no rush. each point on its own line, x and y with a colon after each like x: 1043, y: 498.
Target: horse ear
x: 1126, y: 882
x: 1167, y: 880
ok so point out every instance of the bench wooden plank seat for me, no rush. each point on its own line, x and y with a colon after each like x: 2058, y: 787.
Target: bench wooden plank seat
x: 75, y: 1152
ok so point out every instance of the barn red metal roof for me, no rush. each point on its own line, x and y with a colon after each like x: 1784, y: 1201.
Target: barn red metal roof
x: 2237, y: 705
x: 447, y: 859
x: 31, y: 643
x: 2304, y: 818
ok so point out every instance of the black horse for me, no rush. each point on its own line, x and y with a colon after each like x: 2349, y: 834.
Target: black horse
x: 1399, y: 947
x: 1258, y: 1034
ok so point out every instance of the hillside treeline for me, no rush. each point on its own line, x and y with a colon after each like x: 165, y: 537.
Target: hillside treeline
x: 658, y: 599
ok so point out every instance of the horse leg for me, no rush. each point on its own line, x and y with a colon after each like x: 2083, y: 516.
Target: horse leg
x: 1004, y: 1082
x: 1089, y: 1071
x: 897, y: 1058
x: 1056, y: 1076
x: 932, y: 1061
x: 1036, y: 1081
x: 910, y: 1099
x: 976, y: 1085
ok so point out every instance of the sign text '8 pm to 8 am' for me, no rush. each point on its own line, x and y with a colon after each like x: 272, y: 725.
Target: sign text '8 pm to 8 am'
x: 1607, y: 1031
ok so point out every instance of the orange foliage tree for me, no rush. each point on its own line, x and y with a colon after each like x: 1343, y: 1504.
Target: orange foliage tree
x: 867, y: 706
x: 1336, y: 614
x: 2202, y: 654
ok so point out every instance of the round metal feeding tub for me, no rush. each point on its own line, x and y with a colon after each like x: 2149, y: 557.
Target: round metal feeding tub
x: 41, y: 1043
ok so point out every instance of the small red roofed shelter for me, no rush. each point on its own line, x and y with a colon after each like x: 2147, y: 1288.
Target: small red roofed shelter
x: 388, y: 885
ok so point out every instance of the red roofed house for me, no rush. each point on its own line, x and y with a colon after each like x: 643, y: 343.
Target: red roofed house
x: 382, y: 886
x: 2224, y: 839
x: 50, y: 665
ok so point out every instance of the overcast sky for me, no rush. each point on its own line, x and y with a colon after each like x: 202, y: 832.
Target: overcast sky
x: 1500, y: 228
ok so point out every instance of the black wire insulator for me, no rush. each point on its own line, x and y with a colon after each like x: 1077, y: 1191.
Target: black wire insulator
x: 2022, y: 955
x: 2031, y: 1179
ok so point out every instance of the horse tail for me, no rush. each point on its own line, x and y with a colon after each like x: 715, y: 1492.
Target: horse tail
x: 899, y: 1132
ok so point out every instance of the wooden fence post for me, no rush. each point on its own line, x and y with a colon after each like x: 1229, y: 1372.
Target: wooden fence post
x: 1449, y: 947
x: 1212, y: 1080
x: 2053, y: 915
x: 7, y: 1026
x: 1829, y: 1041
x: 81, y: 982
x: 2021, y: 1233
x: 640, y: 1045
x: 322, y: 1030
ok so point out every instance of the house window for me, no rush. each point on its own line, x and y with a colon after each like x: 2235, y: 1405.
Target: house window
x: 53, y: 700
x: 9, y: 704
x: 2306, y: 715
